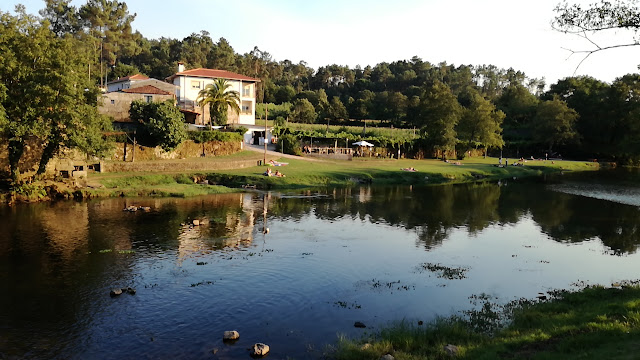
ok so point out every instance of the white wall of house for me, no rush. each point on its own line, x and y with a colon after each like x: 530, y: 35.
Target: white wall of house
x: 254, y: 135
x: 117, y: 86
x: 189, y: 87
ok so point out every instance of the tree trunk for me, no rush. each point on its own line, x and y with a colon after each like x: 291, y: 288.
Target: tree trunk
x: 47, y: 154
x: 211, y: 116
x: 16, y: 149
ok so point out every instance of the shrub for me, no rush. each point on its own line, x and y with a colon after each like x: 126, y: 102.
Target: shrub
x: 163, y: 121
x: 279, y: 121
x: 214, y: 135
x: 290, y: 143
x: 241, y: 130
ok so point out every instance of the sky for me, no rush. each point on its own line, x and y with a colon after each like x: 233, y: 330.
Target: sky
x: 506, y: 33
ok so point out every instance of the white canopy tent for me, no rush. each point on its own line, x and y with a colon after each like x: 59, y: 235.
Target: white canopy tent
x: 363, y: 143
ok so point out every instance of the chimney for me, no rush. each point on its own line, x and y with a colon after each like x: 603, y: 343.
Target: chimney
x: 180, y: 66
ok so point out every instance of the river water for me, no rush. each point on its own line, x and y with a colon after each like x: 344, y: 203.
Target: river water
x: 331, y: 258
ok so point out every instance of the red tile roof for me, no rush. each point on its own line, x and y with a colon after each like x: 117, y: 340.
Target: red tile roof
x: 131, y: 77
x: 147, y: 89
x: 213, y: 73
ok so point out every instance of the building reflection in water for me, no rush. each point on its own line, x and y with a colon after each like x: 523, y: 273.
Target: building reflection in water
x: 234, y: 228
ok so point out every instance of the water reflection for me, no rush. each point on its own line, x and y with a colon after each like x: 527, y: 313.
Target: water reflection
x: 58, y: 261
x: 434, y: 211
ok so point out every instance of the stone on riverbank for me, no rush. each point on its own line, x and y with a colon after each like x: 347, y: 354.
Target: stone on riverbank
x: 451, y: 350
x: 260, y: 349
x: 115, y: 292
x: 387, y: 357
x: 231, y: 335
x: 196, y: 222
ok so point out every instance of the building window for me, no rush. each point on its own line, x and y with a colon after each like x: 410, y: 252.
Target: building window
x: 246, y: 90
x: 148, y: 98
x: 113, y: 102
x: 195, y: 84
x: 246, y: 107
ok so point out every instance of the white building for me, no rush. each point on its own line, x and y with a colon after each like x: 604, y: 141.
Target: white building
x: 190, y: 82
x: 124, y: 82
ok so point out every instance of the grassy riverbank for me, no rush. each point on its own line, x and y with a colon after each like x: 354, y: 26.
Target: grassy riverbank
x: 301, y: 173
x: 179, y: 181
x: 593, y: 323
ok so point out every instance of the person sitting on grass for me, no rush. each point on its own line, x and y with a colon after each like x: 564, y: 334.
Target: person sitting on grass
x: 279, y: 174
x: 268, y: 172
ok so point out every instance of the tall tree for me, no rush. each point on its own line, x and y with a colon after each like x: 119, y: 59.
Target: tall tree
x: 480, y: 124
x: 222, y: 56
x: 47, y: 96
x: 63, y: 18
x: 590, y: 98
x: 337, y: 110
x: 196, y: 50
x: 361, y: 108
x: 623, y: 108
x: 519, y: 106
x: 107, y: 26
x: 303, y: 112
x: 285, y: 94
x: 439, y: 115
x: 219, y: 98
x: 555, y: 123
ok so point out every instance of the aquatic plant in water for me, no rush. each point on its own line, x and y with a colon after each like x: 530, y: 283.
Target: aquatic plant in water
x: 446, y: 272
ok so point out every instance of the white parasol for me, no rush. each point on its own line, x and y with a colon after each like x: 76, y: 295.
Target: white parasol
x: 363, y: 143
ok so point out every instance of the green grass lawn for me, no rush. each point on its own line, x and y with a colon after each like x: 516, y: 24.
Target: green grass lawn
x: 301, y: 173
x: 304, y: 173
x: 163, y: 185
x: 593, y: 323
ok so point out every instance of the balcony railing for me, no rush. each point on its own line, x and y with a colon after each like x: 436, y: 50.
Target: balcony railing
x: 188, y: 105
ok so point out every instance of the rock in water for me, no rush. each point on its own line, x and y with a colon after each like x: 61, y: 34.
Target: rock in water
x: 115, y: 292
x: 358, y: 324
x: 231, y: 335
x: 451, y: 350
x: 260, y: 349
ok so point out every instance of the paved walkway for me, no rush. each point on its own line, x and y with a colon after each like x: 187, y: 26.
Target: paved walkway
x: 272, y: 153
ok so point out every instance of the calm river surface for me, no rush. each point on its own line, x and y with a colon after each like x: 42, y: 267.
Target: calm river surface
x: 330, y: 258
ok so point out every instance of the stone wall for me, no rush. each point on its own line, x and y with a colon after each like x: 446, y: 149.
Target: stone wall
x: 188, y: 149
x: 176, y: 165
x: 29, y: 161
x: 69, y: 160
x: 117, y: 104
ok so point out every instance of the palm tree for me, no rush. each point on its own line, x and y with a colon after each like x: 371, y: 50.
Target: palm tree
x: 219, y: 98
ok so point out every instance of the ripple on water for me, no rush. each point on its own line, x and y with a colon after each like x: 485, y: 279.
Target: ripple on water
x: 614, y: 193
